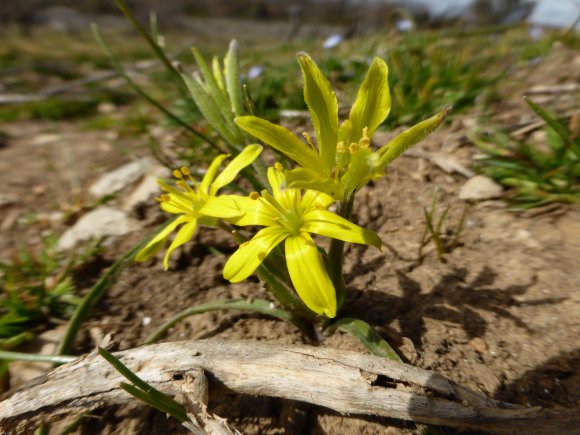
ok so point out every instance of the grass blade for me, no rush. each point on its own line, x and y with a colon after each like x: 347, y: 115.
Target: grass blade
x: 232, y: 73
x: 155, y: 397
x: 367, y: 336
x: 22, y: 356
x: 148, y: 399
x: 258, y: 306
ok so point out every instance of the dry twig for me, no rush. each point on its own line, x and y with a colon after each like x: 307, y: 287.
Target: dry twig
x: 347, y: 382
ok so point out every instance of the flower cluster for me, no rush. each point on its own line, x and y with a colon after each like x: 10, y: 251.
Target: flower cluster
x: 297, y: 203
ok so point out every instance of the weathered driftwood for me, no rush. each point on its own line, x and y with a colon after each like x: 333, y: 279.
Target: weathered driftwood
x: 195, y: 395
x: 347, y: 382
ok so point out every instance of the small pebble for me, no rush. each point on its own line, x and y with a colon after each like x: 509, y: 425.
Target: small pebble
x: 478, y: 344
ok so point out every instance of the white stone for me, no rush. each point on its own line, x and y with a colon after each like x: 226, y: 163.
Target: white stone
x: 101, y: 222
x: 145, y: 190
x: 480, y: 188
x: 118, y: 179
x: 45, y: 343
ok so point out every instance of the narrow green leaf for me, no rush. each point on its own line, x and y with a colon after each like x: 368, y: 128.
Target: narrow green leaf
x: 366, y: 335
x: 257, y: 305
x: 557, y: 126
x: 282, y: 140
x: 232, y: 73
x: 560, y: 129
x: 152, y: 392
x: 179, y: 414
x: 373, y: 101
x: 211, y: 110
x: 323, y: 107
x: 211, y: 85
x: 21, y: 356
x: 410, y: 137
x: 152, y: 43
x: 303, y: 178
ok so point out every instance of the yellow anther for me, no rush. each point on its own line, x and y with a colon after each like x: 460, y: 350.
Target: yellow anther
x: 353, y: 147
x: 181, y: 184
x: 278, y: 166
x: 254, y: 195
x: 164, y: 198
x: 177, y: 173
x: 308, y: 139
x: 365, y: 141
x: 340, y: 148
x: 185, y: 171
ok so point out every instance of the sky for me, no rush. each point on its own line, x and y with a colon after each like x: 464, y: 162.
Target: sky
x: 561, y: 13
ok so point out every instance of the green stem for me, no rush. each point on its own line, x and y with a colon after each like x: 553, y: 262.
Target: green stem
x: 153, y: 44
x: 257, y: 306
x: 336, y: 253
x: 121, y: 71
x: 22, y: 356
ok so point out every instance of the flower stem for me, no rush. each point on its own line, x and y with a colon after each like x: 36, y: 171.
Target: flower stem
x: 336, y: 252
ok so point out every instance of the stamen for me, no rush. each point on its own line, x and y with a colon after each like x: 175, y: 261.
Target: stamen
x: 254, y: 195
x: 185, y: 170
x: 177, y: 174
x: 353, y: 147
x: 308, y: 140
x: 278, y: 166
x: 163, y: 198
x: 365, y: 141
x: 273, y: 205
x: 340, y: 148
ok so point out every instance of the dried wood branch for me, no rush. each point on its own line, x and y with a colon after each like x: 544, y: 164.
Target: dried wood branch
x: 347, y: 382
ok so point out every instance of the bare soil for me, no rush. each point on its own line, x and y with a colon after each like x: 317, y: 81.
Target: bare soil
x: 502, y: 315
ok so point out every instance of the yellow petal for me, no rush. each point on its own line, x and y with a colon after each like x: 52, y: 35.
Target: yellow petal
x: 313, y: 198
x: 328, y: 224
x: 184, y: 234
x: 364, y: 165
x: 223, y: 206
x: 229, y: 173
x: 254, y: 213
x: 309, y: 276
x: 175, y: 208
x: 373, y: 101
x: 251, y: 254
x: 302, y: 178
x: 410, y: 137
x: 159, y: 240
x: 211, y: 172
x: 323, y: 108
x: 276, y: 180
x: 282, y: 140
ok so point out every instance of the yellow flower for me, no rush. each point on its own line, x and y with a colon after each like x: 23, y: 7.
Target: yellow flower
x: 289, y: 216
x: 343, y: 161
x: 198, y: 203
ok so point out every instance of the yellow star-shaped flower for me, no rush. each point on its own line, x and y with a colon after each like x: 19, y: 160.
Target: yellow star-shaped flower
x: 290, y: 216
x: 198, y: 203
